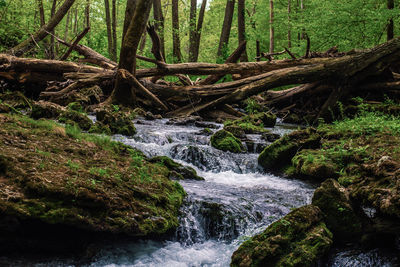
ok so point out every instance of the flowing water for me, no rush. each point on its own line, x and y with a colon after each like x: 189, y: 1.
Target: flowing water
x: 237, y: 200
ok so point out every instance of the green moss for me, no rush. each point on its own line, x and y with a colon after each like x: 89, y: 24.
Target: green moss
x: 100, y: 128
x: 117, y: 122
x: 298, y: 239
x: 178, y: 170
x: 71, y: 117
x: 280, y: 153
x: 89, y: 182
x: 341, y: 218
x: 254, y: 123
x: 75, y: 106
x: 237, y: 131
x: 315, y: 165
x: 226, y: 141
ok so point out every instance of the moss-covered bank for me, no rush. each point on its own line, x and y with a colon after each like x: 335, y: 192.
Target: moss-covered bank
x: 59, y: 176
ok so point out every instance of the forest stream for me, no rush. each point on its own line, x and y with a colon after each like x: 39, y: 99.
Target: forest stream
x: 236, y: 201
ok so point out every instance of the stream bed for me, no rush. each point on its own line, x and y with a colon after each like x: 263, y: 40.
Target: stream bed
x: 236, y: 201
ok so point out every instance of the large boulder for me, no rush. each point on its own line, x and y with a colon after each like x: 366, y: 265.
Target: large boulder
x: 298, y: 239
x: 280, y: 153
x: 254, y: 123
x: 226, y: 141
x: 340, y: 216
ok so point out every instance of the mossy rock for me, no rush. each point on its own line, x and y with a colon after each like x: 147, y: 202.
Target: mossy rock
x: 298, y: 239
x: 100, y: 128
x: 236, y: 131
x: 315, y: 165
x: 254, y: 123
x: 340, y: 217
x: 118, y: 123
x: 177, y: 170
x: 75, y: 106
x: 226, y: 141
x: 46, y: 110
x: 280, y: 153
x: 80, y: 119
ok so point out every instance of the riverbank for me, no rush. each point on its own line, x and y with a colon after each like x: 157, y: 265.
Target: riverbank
x: 356, y: 160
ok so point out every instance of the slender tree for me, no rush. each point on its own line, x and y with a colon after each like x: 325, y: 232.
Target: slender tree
x: 114, y: 30
x: 67, y: 26
x: 271, y: 27
x: 390, y: 26
x: 289, y: 35
x: 87, y: 13
x: 176, y: 42
x: 123, y: 93
x: 192, y: 30
x: 52, y: 40
x: 109, y: 30
x: 226, y: 27
x: 159, y: 23
x: 41, y: 13
x: 199, y: 29
x: 242, y: 27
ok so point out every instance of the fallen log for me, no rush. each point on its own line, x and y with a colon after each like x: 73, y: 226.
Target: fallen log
x: 342, y: 71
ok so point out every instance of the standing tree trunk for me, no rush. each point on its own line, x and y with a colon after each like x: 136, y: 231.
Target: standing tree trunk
x: 130, y: 9
x: 175, y: 32
x: 390, y: 26
x: 123, y: 93
x: 67, y: 26
x: 192, y: 30
x: 76, y: 21
x: 271, y: 27
x: 226, y: 27
x: 242, y: 28
x: 142, y: 45
x: 114, y: 31
x: 109, y: 31
x: 87, y: 13
x: 52, y: 53
x: 159, y: 24
x: 44, y: 31
x: 289, y: 34
x: 41, y: 13
x: 199, y: 29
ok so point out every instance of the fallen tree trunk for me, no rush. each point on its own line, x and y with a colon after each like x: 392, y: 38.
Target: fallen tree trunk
x: 347, y: 71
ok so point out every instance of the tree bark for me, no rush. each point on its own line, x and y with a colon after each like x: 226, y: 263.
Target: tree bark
x: 271, y: 27
x: 226, y: 28
x: 114, y: 30
x: 159, y: 23
x: 87, y: 13
x: 41, y: 13
x: 390, y: 26
x: 123, y: 92
x: 52, y: 40
x: 199, y: 29
x: 289, y: 35
x: 175, y: 32
x: 242, y: 28
x: 26, y: 45
x: 109, y: 31
x: 192, y: 30
x: 129, y: 11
